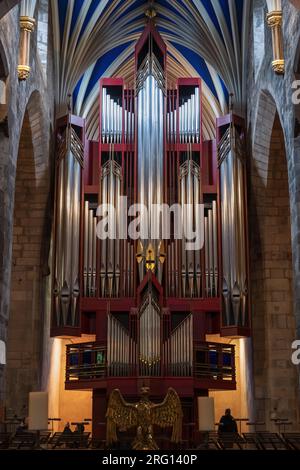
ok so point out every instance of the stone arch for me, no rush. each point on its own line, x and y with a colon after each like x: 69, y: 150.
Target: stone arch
x: 274, y: 326
x: 31, y: 234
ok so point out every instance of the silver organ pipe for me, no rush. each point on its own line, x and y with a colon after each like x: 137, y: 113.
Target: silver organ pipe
x: 85, y: 248
x: 176, y: 275
x: 121, y: 348
x: 66, y: 281
x: 211, y: 251
x: 178, y: 349
x: 197, y: 114
x: 117, y: 241
x: 104, y: 200
x: 149, y: 336
x: 129, y: 121
x: 150, y: 90
x: 206, y: 257
x: 183, y: 251
x: 234, y: 289
x: 190, y: 260
x: 89, y: 251
x: 110, y: 248
x: 215, y: 247
x: 189, y: 120
x: 112, y: 119
x: 197, y: 266
x: 192, y: 118
x: 104, y: 114
x: 186, y: 109
x: 94, y: 259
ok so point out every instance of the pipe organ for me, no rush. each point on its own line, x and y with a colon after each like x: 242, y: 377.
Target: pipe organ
x: 148, y: 300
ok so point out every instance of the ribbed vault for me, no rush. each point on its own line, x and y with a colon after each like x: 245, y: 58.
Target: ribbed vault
x: 206, y: 38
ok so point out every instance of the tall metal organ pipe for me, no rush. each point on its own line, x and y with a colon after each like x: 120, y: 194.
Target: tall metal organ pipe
x: 232, y: 168
x: 150, y: 91
x: 190, y: 260
x: 150, y: 99
x: 68, y: 196
x: 110, y: 248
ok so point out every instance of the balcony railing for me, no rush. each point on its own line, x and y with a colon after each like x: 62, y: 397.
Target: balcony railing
x: 85, y: 361
x: 212, y: 361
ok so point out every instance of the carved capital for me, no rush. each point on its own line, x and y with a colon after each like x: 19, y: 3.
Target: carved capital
x: 274, y: 19
x: 27, y: 23
x: 23, y: 72
x: 278, y: 66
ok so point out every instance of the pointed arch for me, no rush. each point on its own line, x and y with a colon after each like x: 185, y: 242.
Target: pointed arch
x: 31, y: 237
x: 274, y: 322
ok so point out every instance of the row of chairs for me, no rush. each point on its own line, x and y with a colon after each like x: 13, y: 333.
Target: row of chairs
x: 30, y: 440
x: 214, y: 441
x: 252, y: 441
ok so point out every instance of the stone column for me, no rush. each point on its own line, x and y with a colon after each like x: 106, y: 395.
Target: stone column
x: 27, y: 25
x: 274, y: 20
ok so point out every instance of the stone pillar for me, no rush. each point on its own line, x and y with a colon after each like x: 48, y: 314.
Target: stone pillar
x: 27, y: 26
x: 274, y: 20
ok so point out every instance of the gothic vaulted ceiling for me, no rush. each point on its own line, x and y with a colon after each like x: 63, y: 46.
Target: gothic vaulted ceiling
x: 95, y: 38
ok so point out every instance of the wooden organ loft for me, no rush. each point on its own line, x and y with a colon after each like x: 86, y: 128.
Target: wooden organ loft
x: 150, y: 303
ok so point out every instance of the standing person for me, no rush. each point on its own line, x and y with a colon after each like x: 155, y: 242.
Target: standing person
x: 228, y: 423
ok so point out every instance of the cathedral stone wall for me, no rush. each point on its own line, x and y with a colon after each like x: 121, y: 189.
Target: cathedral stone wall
x: 33, y: 99
x: 274, y: 174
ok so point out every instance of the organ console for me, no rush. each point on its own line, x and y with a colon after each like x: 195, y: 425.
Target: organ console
x: 150, y: 302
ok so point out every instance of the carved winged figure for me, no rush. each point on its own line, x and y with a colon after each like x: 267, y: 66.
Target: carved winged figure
x: 143, y: 415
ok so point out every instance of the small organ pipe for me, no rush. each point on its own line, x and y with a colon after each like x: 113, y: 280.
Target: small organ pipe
x: 215, y: 248
x: 180, y: 345
x: 85, y: 249
x: 94, y: 267
x: 210, y: 252
x: 206, y: 257
x: 104, y: 114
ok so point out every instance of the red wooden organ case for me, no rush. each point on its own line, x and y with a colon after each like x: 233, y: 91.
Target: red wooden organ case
x: 150, y: 304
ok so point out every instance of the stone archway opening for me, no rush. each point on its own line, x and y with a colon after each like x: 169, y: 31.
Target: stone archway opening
x: 26, y: 323
x: 274, y: 326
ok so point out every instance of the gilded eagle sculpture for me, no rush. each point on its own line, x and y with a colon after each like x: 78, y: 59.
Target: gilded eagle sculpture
x: 143, y: 415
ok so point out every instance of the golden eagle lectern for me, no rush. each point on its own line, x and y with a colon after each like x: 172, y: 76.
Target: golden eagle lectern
x: 143, y: 415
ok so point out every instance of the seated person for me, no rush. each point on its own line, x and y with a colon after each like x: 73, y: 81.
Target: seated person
x: 23, y: 426
x: 67, y: 429
x: 79, y: 428
x: 228, y: 423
